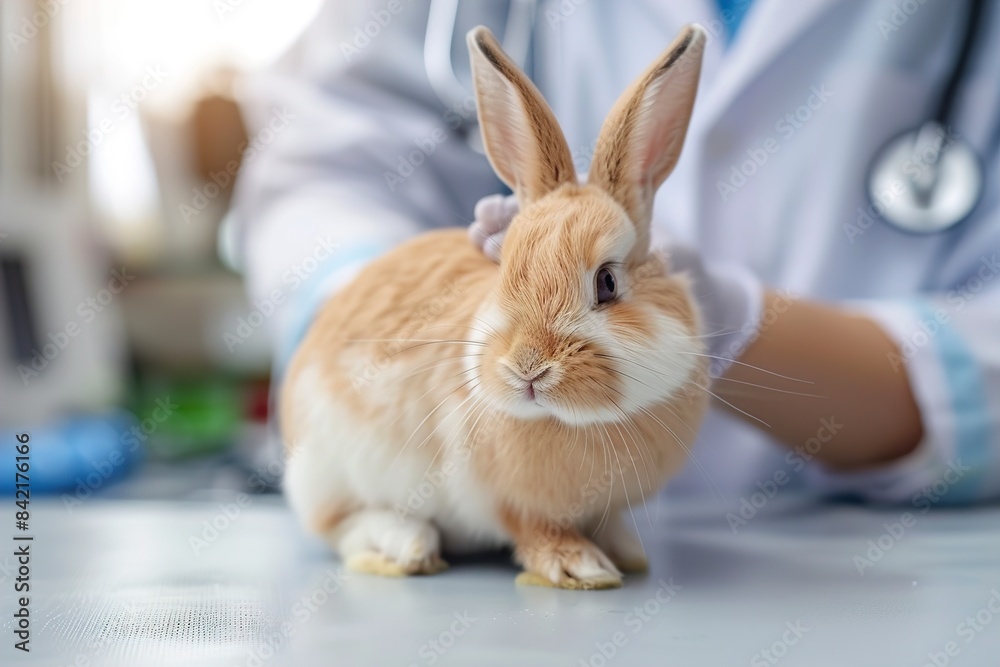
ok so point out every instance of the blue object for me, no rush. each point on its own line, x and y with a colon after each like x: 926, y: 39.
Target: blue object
x: 732, y: 13
x: 973, y: 426
x: 309, y: 301
x: 79, y: 455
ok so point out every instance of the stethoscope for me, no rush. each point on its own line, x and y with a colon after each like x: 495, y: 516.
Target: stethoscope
x: 928, y: 180
x: 923, y: 181
x: 441, y: 22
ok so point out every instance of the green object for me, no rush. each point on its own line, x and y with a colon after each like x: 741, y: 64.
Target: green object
x: 190, y: 417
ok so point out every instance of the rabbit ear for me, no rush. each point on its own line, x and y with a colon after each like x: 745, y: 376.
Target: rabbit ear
x: 642, y: 137
x: 523, y: 141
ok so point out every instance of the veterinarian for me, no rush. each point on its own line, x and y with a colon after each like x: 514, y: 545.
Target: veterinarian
x: 837, y: 205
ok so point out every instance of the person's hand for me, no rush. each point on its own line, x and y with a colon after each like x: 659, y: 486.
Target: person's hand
x: 492, y: 216
x: 729, y: 296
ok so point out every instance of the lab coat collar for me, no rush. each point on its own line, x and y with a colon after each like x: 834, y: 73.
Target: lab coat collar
x: 770, y: 28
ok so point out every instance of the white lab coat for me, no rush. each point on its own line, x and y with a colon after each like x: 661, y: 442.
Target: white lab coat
x: 814, y: 86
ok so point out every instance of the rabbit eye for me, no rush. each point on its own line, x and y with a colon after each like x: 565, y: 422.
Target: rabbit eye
x: 606, y: 286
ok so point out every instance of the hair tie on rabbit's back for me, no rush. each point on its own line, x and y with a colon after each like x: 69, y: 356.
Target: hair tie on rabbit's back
x: 533, y: 403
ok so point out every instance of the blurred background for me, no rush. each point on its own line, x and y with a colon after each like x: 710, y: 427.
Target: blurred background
x: 120, y: 141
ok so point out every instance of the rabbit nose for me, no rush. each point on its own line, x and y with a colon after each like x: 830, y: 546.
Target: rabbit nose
x: 533, y: 375
x: 525, y: 373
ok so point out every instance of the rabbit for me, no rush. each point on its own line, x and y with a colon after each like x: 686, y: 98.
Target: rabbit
x: 444, y: 402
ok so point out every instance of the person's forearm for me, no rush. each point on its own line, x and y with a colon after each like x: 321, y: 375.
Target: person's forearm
x: 845, y: 358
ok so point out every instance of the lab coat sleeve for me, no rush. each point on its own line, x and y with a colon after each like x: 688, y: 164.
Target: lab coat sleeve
x: 350, y: 153
x: 949, y: 343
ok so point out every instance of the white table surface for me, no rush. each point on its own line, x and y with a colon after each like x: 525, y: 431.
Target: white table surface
x: 119, y: 583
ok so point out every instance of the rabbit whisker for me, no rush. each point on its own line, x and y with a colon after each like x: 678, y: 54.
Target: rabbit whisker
x: 740, y: 363
x: 428, y: 416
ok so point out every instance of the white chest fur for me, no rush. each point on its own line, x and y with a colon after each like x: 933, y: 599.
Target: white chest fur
x: 340, y: 461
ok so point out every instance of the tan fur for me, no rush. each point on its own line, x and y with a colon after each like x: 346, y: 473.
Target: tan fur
x: 619, y: 150
x: 546, y: 160
x: 333, y: 516
x: 376, y: 563
x: 411, y: 314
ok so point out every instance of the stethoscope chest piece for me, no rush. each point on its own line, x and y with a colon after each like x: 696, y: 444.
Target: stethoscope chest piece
x: 926, y: 181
